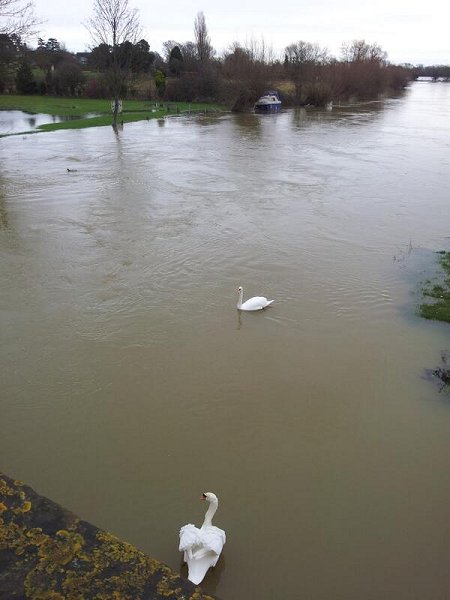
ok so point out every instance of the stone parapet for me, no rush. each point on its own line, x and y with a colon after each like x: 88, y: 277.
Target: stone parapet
x: 48, y: 553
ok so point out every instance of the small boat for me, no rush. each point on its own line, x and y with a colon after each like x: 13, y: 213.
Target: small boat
x: 268, y: 102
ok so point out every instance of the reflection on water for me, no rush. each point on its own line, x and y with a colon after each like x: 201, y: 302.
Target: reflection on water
x: 130, y: 382
x: 17, y: 121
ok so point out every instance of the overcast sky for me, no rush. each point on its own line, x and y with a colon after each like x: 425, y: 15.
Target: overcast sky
x: 408, y: 30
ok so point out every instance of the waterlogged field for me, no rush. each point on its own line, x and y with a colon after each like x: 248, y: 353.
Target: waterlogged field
x: 77, y: 113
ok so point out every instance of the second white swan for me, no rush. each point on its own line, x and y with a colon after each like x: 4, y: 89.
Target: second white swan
x: 255, y: 303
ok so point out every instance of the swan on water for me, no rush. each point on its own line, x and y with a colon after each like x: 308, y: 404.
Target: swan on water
x: 202, y: 547
x: 255, y: 303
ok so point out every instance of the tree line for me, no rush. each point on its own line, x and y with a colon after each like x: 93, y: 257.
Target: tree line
x: 121, y: 64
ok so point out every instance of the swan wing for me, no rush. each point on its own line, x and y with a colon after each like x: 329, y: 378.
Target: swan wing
x: 189, y: 537
x: 213, y: 539
x: 255, y: 303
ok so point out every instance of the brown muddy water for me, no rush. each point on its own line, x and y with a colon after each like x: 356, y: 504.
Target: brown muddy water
x: 130, y: 384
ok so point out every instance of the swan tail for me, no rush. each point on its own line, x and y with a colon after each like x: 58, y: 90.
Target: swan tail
x: 198, y: 566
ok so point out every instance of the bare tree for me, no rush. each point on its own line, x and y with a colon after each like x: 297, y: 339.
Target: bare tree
x: 260, y: 51
x: 305, y: 52
x: 359, y: 51
x: 249, y: 69
x: 364, y: 73
x: 202, y: 39
x: 17, y: 18
x: 189, y: 52
x: 115, y: 24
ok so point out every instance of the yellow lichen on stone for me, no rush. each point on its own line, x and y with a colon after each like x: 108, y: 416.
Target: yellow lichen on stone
x: 76, y: 585
x: 40, y: 581
x: 120, y: 596
x: 36, y: 536
x: 50, y: 595
x: 11, y: 535
x: 61, y: 550
x: 164, y: 588
x: 26, y: 506
x: 74, y: 524
x: 118, y: 550
x: 5, y: 490
x: 3, y: 508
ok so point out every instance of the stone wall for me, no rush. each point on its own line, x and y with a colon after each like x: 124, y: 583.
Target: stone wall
x: 47, y: 553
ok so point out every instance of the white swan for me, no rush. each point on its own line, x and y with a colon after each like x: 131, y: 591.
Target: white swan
x: 256, y: 303
x: 202, y: 547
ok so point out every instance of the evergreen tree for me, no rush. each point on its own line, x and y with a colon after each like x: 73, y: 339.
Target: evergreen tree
x: 175, y: 61
x: 25, y: 82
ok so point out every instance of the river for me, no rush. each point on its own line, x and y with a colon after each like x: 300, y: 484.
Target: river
x: 130, y: 383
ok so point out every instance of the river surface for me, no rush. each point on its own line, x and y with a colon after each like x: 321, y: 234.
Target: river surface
x: 130, y: 383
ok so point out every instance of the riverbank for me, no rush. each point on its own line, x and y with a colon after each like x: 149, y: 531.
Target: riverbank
x: 48, y: 553
x: 437, y: 306
x: 81, y: 113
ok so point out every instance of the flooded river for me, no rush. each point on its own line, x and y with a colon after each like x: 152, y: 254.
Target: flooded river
x: 130, y: 384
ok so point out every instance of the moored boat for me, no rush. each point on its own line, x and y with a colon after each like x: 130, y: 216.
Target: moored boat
x: 268, y: 102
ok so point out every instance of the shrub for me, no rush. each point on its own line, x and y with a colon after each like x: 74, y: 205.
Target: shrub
x: 96, y: 88
x: 183, y: 89
x: 317, y: 93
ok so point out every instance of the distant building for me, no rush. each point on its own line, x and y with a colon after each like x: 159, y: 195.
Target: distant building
x: 83, y: 58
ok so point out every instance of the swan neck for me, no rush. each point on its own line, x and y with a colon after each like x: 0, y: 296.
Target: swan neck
x: 240, y: 297
x: 209, y: 514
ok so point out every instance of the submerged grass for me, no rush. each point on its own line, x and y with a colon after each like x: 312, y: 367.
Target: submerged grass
x: 84, y: 112
x: 439, y: 310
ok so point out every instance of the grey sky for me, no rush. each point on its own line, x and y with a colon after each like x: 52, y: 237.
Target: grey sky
x: 409, y: 31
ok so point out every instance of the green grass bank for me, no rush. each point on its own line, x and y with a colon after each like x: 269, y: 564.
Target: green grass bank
x: 437, y: 306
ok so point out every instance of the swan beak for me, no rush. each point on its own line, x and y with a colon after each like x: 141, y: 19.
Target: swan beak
x: 203, y: 497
